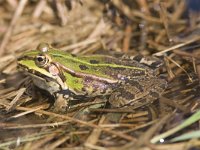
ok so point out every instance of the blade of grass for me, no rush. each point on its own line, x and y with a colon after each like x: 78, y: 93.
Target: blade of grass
x: 186, y: 136
x: 195, y: 117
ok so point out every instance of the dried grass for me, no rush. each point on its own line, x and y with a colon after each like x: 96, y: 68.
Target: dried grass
x: 169, y: 30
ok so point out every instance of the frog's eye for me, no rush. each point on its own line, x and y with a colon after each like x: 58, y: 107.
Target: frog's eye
x: 41, y: 60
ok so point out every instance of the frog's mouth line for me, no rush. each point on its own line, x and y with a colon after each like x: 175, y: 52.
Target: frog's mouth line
x: 32, y: 72
x: 36, y: 74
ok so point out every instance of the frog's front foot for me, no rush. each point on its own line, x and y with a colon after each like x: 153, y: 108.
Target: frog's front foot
x: 61, y: 104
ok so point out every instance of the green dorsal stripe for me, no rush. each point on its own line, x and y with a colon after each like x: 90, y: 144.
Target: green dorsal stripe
x: 78, y: 60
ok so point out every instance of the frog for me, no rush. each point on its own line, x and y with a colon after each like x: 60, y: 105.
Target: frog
x: 123, y: 80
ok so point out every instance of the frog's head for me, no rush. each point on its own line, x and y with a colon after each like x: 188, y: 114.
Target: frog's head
x: 38, y: 61
x: 38, y: 64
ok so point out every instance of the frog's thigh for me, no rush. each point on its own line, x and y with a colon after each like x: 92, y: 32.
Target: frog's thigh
x: 122, y: 96
x: 156, y: 89
x: 148, y: 91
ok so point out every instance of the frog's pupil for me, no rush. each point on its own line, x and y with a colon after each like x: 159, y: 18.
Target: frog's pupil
x: 40, y: 59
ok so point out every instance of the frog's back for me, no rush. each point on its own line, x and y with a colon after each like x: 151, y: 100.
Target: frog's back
x: 101, y: 66
x: 116, y: 68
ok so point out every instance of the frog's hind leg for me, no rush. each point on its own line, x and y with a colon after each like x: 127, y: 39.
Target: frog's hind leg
x: 154, y: 89
x: 139, y: 92
x: 122, y: 96
x: 157, y: 88
x: 135, y: 94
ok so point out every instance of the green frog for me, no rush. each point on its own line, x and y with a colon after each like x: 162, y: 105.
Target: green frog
x: 124, y: 80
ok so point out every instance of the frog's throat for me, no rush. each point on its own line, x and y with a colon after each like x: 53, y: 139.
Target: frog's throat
x: 56, y: 78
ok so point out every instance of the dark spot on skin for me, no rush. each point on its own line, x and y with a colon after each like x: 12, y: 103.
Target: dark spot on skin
x: 83, y: 67
x: 126, y: 94
x: 73, y: 55
x: 156, y: 64
x: 87, y: 80
x: 154, y: 94
x: 138, y: 58
x: 103, y: 92
x: 65, y: 92
x: 94, y: 61
x: 163, y: 85
x: 136, y: 84
x: 83, y: 89
x: 118, y: 55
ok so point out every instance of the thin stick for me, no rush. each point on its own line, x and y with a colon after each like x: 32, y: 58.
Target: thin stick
x: 119, y: 134
x: 177, y: 46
